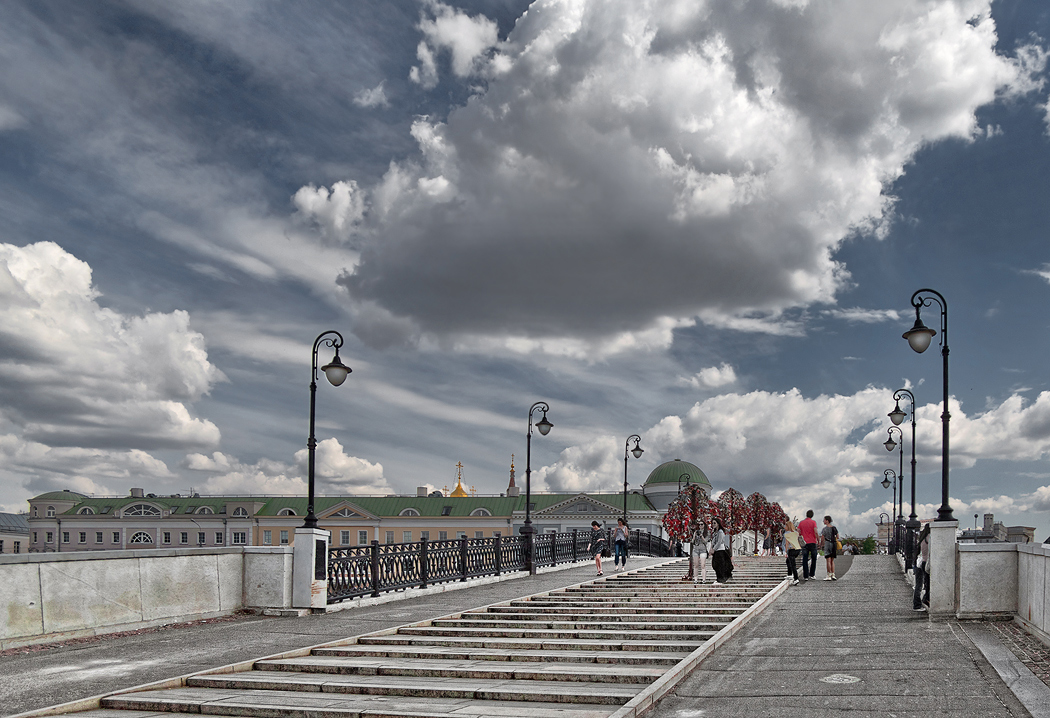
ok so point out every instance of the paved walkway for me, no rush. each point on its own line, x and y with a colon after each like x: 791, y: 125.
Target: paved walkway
x: 855, y: 647
x: 35, y: 678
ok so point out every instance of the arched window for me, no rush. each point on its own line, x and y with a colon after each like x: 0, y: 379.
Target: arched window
x: 286, y: 512
x: 36, y: 513
x: 141, y: 537
x: 240, y: 512
x: 51, y: 512
x: 481, y: 512
x: 204, y: 510
x: 409, y: 512
x: 141, y: 510
x: 344, y: 513
x: 86, y: 511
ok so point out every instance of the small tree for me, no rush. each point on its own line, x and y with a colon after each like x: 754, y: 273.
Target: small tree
x: 732, y: 511
x: 757, y: 514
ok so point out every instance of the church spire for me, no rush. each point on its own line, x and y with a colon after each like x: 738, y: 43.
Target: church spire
x: 512, y: 489
x: 459, y: 491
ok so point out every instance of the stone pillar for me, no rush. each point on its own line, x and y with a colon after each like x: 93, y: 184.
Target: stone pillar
x: 310, y: 569
x: 943, y: 569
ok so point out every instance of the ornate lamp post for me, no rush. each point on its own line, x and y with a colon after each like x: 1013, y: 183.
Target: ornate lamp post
x: 919, y: 338
x: 890, y: 445
x: 886, y: 482
x: 544, y: 427
x: 687, y: 477
x: 883, y: 523
x: 336, y: 372
x: 637, y: 451
x: 897, y: 417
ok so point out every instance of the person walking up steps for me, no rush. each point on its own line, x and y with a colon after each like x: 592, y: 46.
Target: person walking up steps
x: 807, y: 529
x: 698, y: 548
x: 830, y: 535
x: 792, y: 550
x: 620, y: 544
x: 597, y: 544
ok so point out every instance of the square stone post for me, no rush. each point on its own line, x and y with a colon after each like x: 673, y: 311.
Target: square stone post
x: 310, y: 569
x: 943, y: 569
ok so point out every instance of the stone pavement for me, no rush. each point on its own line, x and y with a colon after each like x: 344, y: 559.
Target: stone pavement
x: 850, y: 647
x: 38, y: 677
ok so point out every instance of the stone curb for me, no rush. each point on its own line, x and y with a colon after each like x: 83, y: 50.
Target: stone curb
x: 647, y: 699
x: 94, y: 702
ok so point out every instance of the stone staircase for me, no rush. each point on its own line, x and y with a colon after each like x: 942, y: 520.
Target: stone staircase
x: 579, y: 652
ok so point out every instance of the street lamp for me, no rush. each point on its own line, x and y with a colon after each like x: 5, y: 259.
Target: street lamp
x: 544, y: 427
x: 336, y: 373
x: 687, y: 477
x: 890, y: 445
x: 897, y: 417
x: 637, y: 451
x: 919, y: 338
x: 886, y: 481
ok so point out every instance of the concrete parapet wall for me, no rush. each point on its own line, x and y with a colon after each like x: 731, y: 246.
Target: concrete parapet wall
x: 987, y: 580
x: 51, y: 597
x: 1033, y: 588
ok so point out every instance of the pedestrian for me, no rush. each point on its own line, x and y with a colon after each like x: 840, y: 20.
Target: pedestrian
x: 767, y: 543
x: 597, y: 544
x: 721, y: 561
x: 793, y: 550
x: 807, y: 529
x: 920, y: 602
x: 830, y: 535
x: 698, y: 549
x: 620, y: 544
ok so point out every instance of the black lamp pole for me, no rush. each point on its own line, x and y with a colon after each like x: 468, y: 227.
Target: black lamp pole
x: 543, y: 426
x: 897, y: 416
x: 637, y: 451
x: 336, y: 372
x: 886, y: 481
x: 919, y: 337
x: 687, y: 477
x: 890, y: 445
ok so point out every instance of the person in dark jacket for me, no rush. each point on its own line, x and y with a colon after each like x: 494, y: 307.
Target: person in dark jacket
x: 721, y: 561
x: 597, y: 544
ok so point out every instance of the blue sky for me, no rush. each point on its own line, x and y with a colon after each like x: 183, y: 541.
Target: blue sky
x: 701, y: 222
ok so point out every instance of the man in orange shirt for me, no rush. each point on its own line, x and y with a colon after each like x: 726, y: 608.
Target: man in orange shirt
x: 807, y: 529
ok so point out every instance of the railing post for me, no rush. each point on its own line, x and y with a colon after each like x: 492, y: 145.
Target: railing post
x: 375, y: 567
x: 424, y: 562
x: 575, y: 555
x: 499, y: 556
x: 463, y: 558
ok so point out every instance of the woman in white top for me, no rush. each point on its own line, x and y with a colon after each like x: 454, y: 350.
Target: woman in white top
x: 721, y: 561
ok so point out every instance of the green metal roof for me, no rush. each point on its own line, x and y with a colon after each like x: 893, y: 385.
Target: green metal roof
x: 671, y: 471
x: 58, y: 496
x: 177, y: 505
x: 394, y: 505
x: 635, y: 502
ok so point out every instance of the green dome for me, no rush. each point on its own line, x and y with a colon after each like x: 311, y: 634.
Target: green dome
x: 671, y: 471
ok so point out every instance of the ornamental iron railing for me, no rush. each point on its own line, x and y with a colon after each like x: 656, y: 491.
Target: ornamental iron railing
x: 379, y: 568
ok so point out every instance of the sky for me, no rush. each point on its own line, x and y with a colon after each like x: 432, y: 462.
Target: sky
x: 701, y: 222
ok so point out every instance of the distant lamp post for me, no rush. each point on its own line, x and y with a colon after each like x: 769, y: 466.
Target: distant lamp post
x: 897, y: 416
x: 543, y: 426
x: 975, y: 522
x: 886, y: 482
x: 919, y: 338
x: 688, y: 478
x: 890, y: 445
x: 336, y: 373
x: 637, y: 451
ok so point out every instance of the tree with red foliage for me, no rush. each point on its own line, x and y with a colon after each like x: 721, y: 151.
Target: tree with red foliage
x: 732, y: 511
x: 757, y: 514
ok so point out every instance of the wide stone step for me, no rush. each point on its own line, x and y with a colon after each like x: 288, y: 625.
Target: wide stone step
x: 450, y: 668
x: 651, y: 644
x: 542, y: 691
x: 606, y: 657
x: 211, y: 703
x: 540, y: 633
x: 538, y: 623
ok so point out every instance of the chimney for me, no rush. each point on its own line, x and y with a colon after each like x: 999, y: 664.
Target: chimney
x: 421, y: 491
x: 989, y: 520
x: 136, y: 493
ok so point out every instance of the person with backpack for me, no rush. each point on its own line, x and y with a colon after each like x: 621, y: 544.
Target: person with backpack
x: 830, y: 536
x: 597, y: 544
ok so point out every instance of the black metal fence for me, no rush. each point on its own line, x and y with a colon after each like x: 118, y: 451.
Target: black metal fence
x: 378, y: 568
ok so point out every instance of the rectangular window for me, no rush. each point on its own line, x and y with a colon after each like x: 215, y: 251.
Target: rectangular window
x: 167, y: 537
x: 201, y: 538
x: 34, y: 537
x: 267, y: 537
x: 362, y: 538
x: 98, y: 537
x: 479, y: 534
x: 1, y: 546
x: 446, y: 510
x: 50, y: 537
x: 284, y: 538
x: 442, y: 535
x: 424, y: 535
x: 344, y: 538
x: 116, y: 537
x: 218, y: 537
x: 18, y: 546
x: 65, y: 537
x: 390, y: 537
x: 184, y: 537
x: 240, y: 537
x: 83, y: 537
x: 406, y: 537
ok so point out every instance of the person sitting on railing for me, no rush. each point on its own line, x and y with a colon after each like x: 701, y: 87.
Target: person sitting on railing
x: 597, y: 544
x: 920, y: 602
